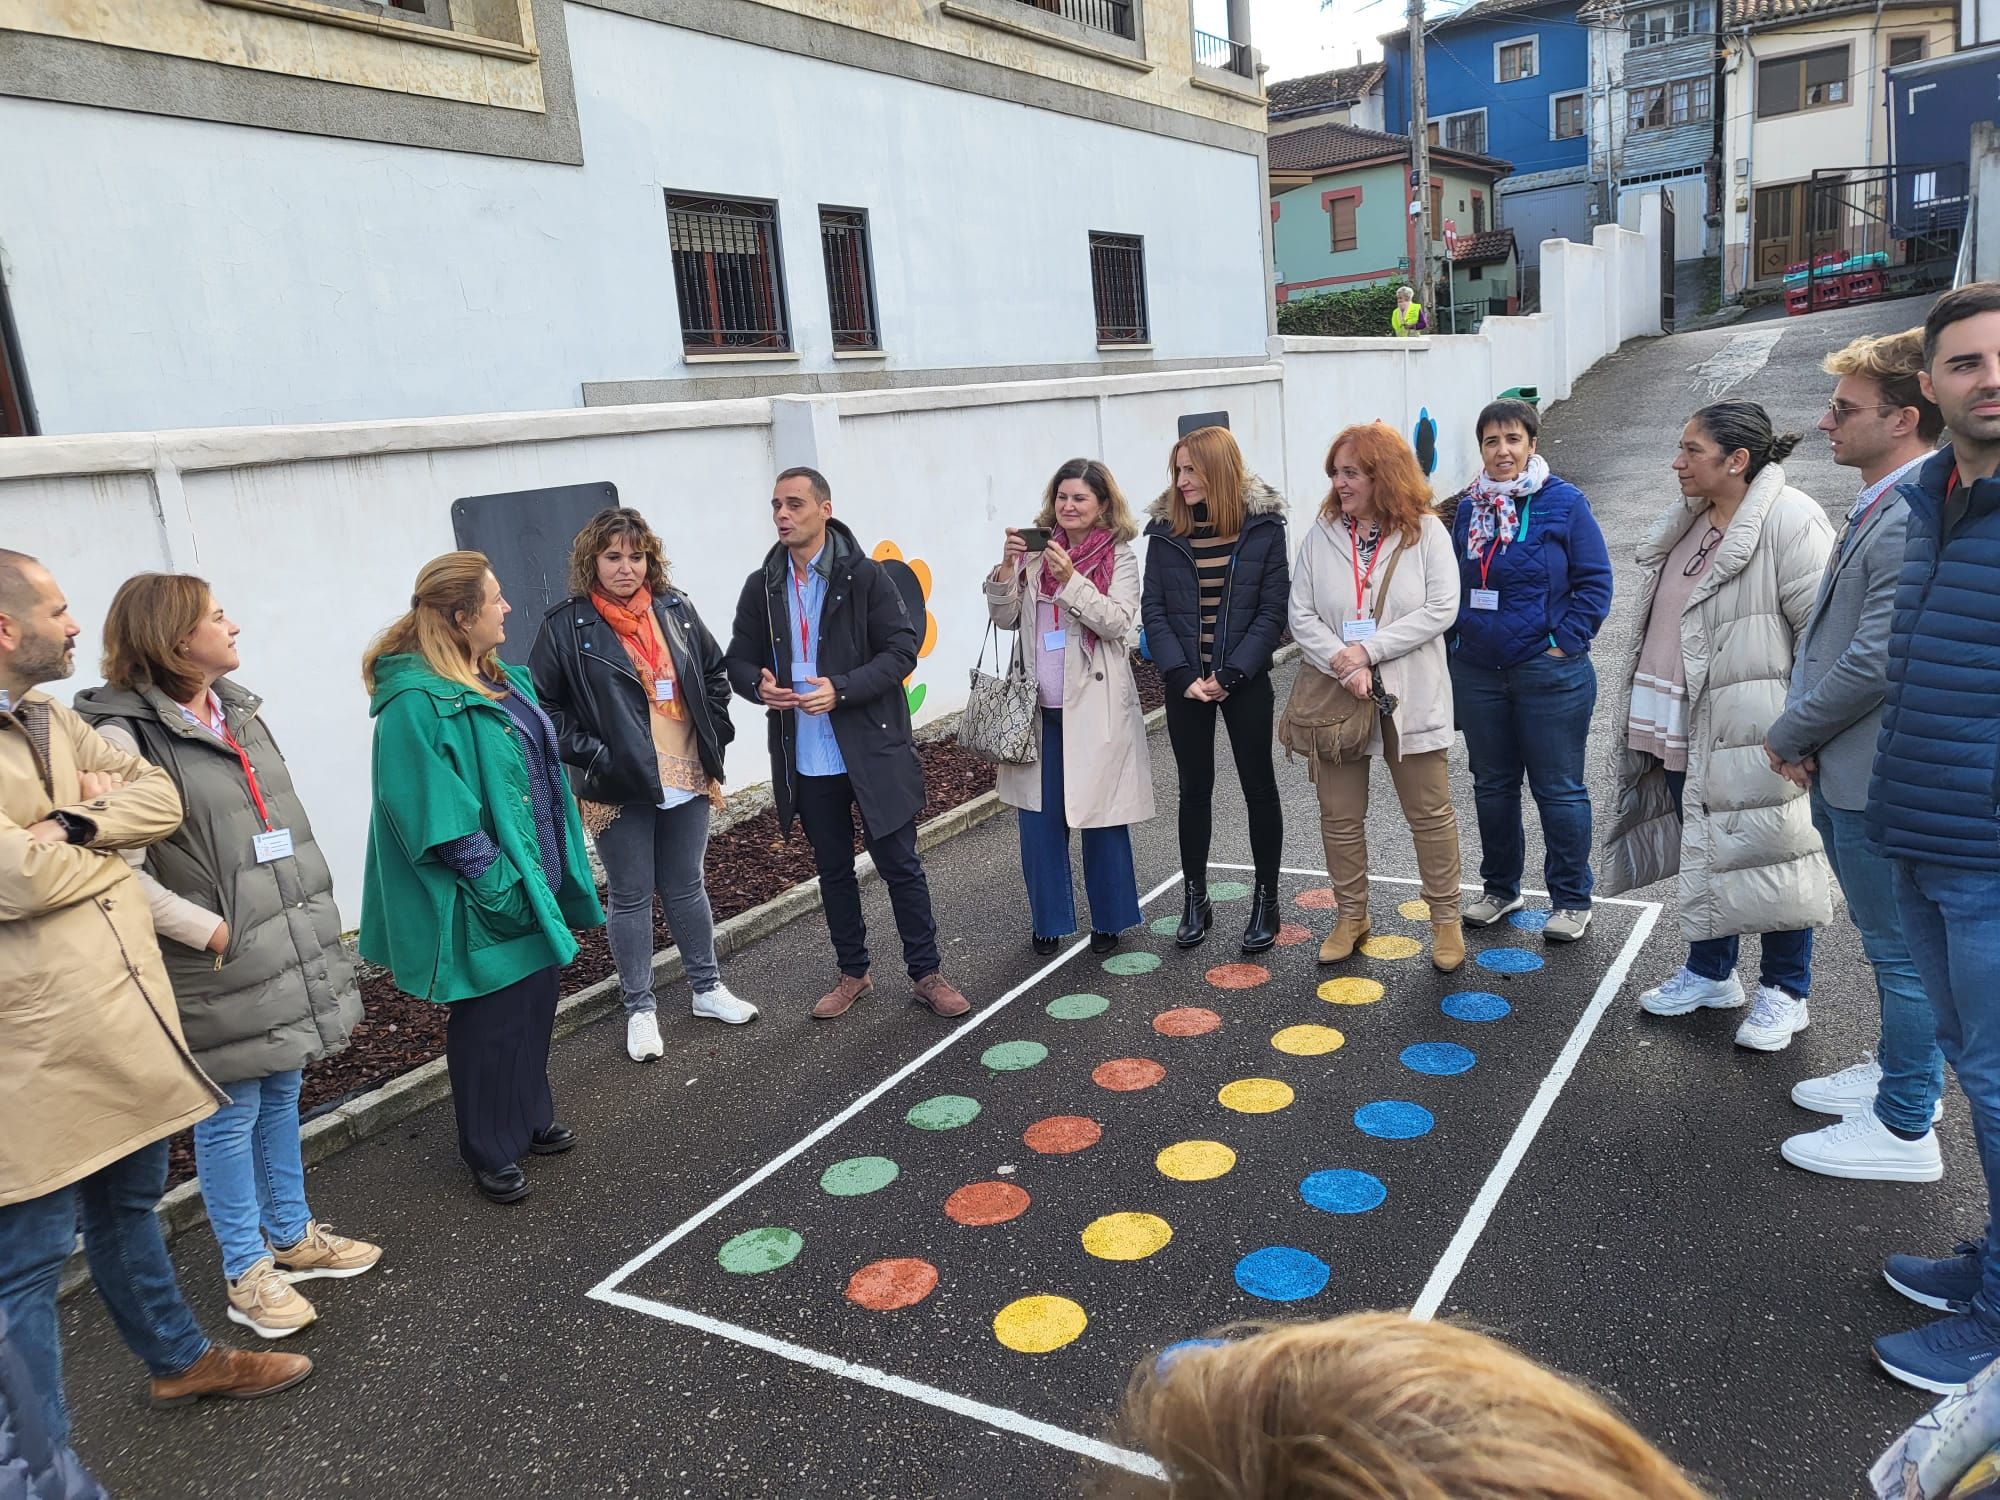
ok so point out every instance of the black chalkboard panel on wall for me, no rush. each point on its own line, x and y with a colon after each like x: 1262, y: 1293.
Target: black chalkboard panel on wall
x: 526, y: 535
x: 1193, y: 421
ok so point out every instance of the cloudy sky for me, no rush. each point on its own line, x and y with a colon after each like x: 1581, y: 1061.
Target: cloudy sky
x: 1304, y: 36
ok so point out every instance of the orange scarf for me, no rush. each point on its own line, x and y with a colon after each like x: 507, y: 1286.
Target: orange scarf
x: 640, y: 634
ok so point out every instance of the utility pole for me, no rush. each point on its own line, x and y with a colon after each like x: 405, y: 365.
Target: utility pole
x: 1420, y: 158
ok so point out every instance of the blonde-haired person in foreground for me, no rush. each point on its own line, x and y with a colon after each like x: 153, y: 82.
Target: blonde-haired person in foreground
x: 1376, y: 1406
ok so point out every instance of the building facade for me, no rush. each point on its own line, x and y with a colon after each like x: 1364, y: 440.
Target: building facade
x: 274, y: 211
x: 1342, y: 96
x: 1655, y: 115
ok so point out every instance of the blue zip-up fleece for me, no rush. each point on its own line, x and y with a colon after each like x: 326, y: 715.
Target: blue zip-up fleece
x: 1935, y: 794
x: 1554, y: 583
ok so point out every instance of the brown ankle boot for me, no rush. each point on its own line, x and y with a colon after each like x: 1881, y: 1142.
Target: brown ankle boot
x: 1348, y: 934
x: 233, y: 1375
x: 1447, y: 946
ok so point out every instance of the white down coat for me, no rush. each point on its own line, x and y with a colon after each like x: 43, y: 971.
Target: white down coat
x: 1746, y: 852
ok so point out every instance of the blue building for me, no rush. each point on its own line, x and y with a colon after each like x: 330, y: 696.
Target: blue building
x: 1509, y: 78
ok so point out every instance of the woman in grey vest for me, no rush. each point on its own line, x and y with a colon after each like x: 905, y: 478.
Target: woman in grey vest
x: 243, y: 903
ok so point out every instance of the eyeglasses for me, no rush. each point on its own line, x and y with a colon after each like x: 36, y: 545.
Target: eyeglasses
x: 1840, y: 411
x: 1700, y: 559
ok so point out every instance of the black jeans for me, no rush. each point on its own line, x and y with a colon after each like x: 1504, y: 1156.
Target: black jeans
x: 826, y: 806
x: 496, y: 1048
x: 1246, y: 714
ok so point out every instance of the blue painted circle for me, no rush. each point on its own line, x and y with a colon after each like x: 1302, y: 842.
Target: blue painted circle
x: 1474, y: 1005
x: 1509, y: 960
x: 1439, y: 1059
x: 1278, y: 1273
x: 1529, y: 921
x: 1342, y: 1190
x: 1394, y: 1120
x: 1172, y: 1352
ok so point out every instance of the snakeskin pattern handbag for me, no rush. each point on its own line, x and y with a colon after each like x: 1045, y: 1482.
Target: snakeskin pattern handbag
x: 998, y: 724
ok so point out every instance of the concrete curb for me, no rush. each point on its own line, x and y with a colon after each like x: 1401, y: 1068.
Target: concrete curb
x: 378, y: 1109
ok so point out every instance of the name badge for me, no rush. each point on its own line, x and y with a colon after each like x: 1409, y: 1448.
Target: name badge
x: 663, y: 689
x: 277, y: 844
x: 1356, y: 630
x: 1055, y: 640
x: 1486, y: 598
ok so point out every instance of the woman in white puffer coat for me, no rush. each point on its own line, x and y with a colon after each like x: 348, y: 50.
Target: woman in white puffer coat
x: 1729, y: 576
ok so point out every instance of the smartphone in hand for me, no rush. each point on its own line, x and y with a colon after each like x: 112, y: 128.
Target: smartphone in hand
x: 1035, y: 538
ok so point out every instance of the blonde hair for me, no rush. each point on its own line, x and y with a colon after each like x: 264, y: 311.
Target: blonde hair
x: 1377, y: 1406
x: 447, y: 587
x: 146, y: 631
x: 1219, y: 462
x: 1116, y: 516
x: 1893, y: 362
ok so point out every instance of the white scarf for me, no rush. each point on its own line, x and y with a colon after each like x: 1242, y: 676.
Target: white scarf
x: 1494, y: 512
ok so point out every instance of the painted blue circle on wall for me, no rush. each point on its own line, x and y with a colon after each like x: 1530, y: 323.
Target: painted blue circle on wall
x: 1279, y: 1273
x: 1394, y: 1120
x: 1438, y: 1059
x: 1509, y: 960
x: 1474, y: 1005
x: 1342, y: 1190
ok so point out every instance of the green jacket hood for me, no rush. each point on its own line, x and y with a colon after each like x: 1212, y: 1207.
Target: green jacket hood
x: 408, y: 672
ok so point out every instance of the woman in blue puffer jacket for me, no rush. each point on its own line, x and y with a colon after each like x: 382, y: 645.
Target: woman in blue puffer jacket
x: 1534, y: 588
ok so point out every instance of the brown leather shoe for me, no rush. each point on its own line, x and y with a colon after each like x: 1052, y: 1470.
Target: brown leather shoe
x: 836, y: 1000
x: 1447, y: 946
x: 233, y: 1375
x: 937, y: 992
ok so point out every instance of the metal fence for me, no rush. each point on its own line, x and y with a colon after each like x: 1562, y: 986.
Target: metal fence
x: 1211, y: 51
x: 850, y: 278
x: 726, y: 274
x: 1118, y: 285
x: 1114, y: 16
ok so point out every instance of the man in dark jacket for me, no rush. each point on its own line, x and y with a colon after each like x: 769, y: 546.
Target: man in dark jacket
x: 1934, y: 801
x: 823, y: 640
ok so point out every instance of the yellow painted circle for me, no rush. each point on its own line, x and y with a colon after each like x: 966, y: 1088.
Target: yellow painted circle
x: 1255, y: 1096
x: 1195, y: 1161
x: 1035, y: 1325
x: 1307, y: 1041
x: 1126, y: 1236
x: 1350, y: 991
x: 1415, y: 911
x: 1392, y: 947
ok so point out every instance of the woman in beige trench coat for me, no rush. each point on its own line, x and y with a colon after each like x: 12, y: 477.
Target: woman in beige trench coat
x: 1075, y: 600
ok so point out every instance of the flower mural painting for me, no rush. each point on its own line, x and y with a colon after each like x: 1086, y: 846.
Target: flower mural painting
x: 913, y: 581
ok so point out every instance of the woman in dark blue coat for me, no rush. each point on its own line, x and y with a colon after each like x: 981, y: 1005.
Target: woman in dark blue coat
x: 1534, y: 588
x: 1217, y: 583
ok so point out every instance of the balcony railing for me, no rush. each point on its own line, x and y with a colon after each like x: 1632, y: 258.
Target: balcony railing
x: 1212, y: 51
x: 1114, y: 16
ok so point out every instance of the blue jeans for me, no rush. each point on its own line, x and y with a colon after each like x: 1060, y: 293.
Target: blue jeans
x: 1532, y: 719
x: 128, y: 1261
x: 1912, y: 1065
x: 253, y: 1180
x: 1785, y: 959
x: 1952, y: 925
x: 1108, y: 877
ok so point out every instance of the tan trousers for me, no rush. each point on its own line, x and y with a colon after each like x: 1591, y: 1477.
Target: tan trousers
x: 1423, y: 786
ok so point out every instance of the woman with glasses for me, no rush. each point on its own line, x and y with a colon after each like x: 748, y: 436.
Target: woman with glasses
x: 1730, y: 573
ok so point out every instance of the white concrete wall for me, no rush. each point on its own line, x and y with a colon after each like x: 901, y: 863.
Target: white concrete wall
x: 172, y: 273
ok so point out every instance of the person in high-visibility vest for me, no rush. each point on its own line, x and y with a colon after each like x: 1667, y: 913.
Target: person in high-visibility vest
x: 1407, y: 320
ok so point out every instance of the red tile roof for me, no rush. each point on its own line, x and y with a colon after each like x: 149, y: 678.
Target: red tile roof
x: 1775, y: 12
x: 1323, y: 90
x: 1324, y: 147
x: 1484, y: 248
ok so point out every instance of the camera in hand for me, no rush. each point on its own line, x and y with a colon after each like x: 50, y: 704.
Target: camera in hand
x: 1035, y: 538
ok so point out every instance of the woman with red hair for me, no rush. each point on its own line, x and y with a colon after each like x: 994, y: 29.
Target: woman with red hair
x: 1374, y: 590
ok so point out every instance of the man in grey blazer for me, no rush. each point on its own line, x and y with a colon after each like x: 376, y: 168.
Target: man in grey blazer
x: 1879, y: 423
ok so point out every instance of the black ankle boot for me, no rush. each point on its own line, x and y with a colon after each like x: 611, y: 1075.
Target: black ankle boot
x: 1195, y: 916
x: 1262, y: 929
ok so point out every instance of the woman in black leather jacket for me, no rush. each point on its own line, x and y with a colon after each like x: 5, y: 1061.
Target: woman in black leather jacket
x: 639, y: 695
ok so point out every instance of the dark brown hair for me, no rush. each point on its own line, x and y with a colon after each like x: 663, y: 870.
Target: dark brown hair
x: 1116, y: 516
x: 1968, y: 301
x: 822, y: 491
x: 1402, y: 494
x: 613, y: 524
x: 146, y: 631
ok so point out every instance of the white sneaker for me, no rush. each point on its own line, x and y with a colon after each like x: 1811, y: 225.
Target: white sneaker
x: 642, y: 1036
x: 1841, y: 1093
x: 719, y: 1005
x: 1688, y: 991
x: 1773, y: 1021
x: 1863, y: 1148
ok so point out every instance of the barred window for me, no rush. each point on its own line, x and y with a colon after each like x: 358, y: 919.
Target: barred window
x: 850, y: 278
x: 727, y: 277
x: 1118, y: 285
x: 17, y: 417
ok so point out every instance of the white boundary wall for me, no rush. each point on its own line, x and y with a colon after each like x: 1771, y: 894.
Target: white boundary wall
x: 312, y: 535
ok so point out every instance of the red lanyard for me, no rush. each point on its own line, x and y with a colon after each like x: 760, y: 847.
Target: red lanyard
x: 249, y: 775
x: 805, y: 641
x: 1354, y: 557
x: 1487, y: 561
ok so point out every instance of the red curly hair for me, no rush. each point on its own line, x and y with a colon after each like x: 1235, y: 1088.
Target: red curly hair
x: 1402, y: 495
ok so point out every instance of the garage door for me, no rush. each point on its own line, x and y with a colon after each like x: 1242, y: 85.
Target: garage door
x: 1550, y: 213
x: 1690, y: 196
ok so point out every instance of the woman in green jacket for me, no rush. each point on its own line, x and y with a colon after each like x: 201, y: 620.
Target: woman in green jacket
x: 476, y: 865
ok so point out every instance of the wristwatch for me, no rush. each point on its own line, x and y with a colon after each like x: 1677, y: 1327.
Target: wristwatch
x: 76, y: 828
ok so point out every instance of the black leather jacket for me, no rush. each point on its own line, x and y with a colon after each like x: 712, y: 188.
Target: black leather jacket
x: 601, y: 709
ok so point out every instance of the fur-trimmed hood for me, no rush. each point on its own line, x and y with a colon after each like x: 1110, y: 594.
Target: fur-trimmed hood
x: 1259, y: 499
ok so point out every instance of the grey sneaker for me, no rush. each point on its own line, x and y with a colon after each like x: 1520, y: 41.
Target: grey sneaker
x: 1566, y: 926
x: 1485, y: 910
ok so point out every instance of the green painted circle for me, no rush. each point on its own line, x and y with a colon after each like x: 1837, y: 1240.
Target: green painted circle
x: 1077, y: 1007
x: 755, y: 1251
x: 858, y: 1175
x: 1165, y: 926
x: 1228, y: 890
x: 945, y: 1112
x: 1012, y: 1057
x: 1131, y: 963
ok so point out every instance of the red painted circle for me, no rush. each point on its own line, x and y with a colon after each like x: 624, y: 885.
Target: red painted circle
x: 1126, y: 1075
x: 1186, y: 1020
x: 1059, y: 1135
x: 885, y: 1285
x: 986, y: 1203
x: 1290, y: 935
x: 1238, y: 976
x: 1319, y: 898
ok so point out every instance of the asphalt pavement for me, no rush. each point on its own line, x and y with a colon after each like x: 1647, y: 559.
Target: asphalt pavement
x: 892, y: 1256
